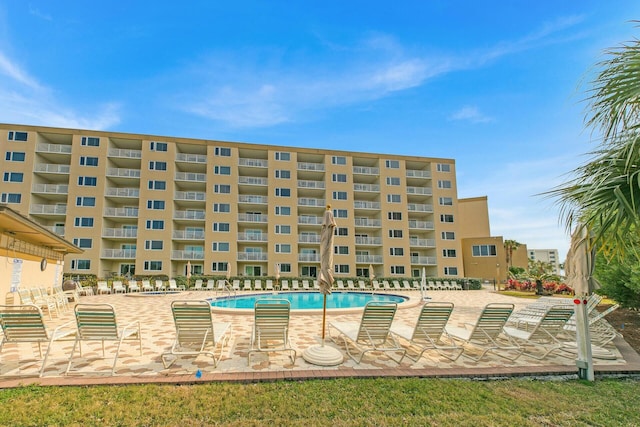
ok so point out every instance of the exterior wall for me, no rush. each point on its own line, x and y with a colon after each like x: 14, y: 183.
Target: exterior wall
x: 224, y: 204
x: 546, y: 255
x: 475, y: 217
x: 521, y: 257
x: 488, y: 267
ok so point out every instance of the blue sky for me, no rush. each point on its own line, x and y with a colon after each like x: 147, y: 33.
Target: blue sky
x: 496, y: 85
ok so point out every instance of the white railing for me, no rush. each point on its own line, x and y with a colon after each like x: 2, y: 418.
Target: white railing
x: 48, y: 209
x: 358, y: 204
x: 191, y: 176
x: 190, y: 195
x: 306, y: 201
x: 417, y: 207
x: 119, y: 253
x: 425, y: 191
x: 188, y: 255
x: 125, y: 152
x: 363, y: 222
x: 123, y: 173
x: 188, y: 234
x: 122, y: 192
x: 252, y: 180
x: 52, y: 168
x: 314, y: 220
x: 368, y: 240
x: 422, y: 225
x: 50, y: 188
x: 53, y: 148
x: 304, y: 166
x: 411, y: 173
x: 253, y: 237
x: 423, y: 260
x: 362, y: 170
x: 424, y: 243
x: 252, y: 256
x: 120, y: 232
x: 305, y: 183
x: 308, y: 238
x: 367, y: 187
x: 199, y: 215
x: 121, y: 212
x: 262, y: 200
x: 191, y: 158
x: 244, y: 217
x: 259, y: 163
x: 371, y: 259
x: 309, y: 257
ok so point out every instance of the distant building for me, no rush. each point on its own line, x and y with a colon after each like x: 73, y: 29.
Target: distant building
x: 546, y: 255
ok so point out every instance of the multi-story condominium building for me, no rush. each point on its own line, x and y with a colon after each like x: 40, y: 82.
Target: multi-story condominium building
x: 148, y: 205
x: 546, y: 255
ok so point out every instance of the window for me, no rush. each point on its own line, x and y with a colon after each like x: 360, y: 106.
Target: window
x: 449, y: 253
x: 339, y: 177
x: 442, y: 183
x: 90, y: 141
x: 153, y: 245
x: 283, y: 248
x: 88, y: 161
x: 483, y: 250
x: 445, y: 201
x: 340, y: 213
x: 342, y: 231
x: 396, y: 251
x: 451, y: 271
x: 88, y: 181
x: 392, y: 164
x: 157, y: 166
x: 155, y: 224
x: 17, y: 136
x: 80, y: 264
x: 397, y: 269
x: 83, y: 222
x: 283, y: 192
x: 83, y: 243
x: 392, y: 180
x: 221, y: 226
x: 219, y: 266
x: 339, y: 195
x: 341, y: 268
x: 85, y: 201
x: 222, y: 151
x: 155, y: 204
x: 446, y: 218
x: 395, y: 216
x: 220, y: 246
x: 448, y: 235
x: 341, y: 250
x: 283, y: 229
x: 14, y: 156
x: 283, y: 174
x: 158, y: 146
x: 13, y: 177
x: 443, y: 167
x: 157, y: 185
x: 395, y: 234
x: 339, y: 160
x: 222, y: 207
x: 222, y: 170
x: 283, y: 156
x: 285, y: 268
x: 153, y: 265
x: 222, y: 189
x: 393, y: 198
x: 283, y: 210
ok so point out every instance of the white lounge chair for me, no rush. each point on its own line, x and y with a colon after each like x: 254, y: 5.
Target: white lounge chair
x: 103, y: 287
x: 118, y: 287
x: 174, y: 287
x: 271, y: 327
x: 133, y: 286
x: 146, y: 286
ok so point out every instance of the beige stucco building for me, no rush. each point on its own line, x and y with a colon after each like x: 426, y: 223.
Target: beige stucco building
x: 147, y: 205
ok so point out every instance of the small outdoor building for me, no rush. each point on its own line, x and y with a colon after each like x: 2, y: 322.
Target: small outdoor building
x: 30, y: 255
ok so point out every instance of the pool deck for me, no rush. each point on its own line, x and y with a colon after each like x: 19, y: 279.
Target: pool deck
x: 158, y: 331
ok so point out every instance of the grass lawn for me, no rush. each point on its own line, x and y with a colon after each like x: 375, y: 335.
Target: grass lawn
x: 345, y: 402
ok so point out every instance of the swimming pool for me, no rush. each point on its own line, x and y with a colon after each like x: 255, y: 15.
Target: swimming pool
x: 307, y: 300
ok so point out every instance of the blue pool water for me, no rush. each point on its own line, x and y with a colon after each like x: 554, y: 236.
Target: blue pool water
x: 307, y: 300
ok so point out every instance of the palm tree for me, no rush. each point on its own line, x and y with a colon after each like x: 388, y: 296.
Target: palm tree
x: 509, y: 247
x: 604, y: 193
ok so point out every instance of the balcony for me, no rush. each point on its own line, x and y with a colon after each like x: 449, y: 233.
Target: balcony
x: 188, y: 234
x: 191, y: 158
x: 121, y: 212
x: 53, y: 148
x: 123, y: 173
x: 50, y: 188
x: 359, y: 204
x: 187, y: 255
x: 259, y: 218
x: 421, y: 225
x: 362, y: 170
x: 418, y: 207
x: 122, y: 192
x: 252, y: 180
x: 365, y: 222
x: 309, y: 257
x: 125, y: 153
x: 253, y: 237
x: 371, y: 241
x: 252, y: 256
x: 423, y: 260
x: 311, y: 220
x: 369, y: 259
x: 252, y: 199
x: 57, y: 229
x: 422, y: 243
x: 48, y: 209
x: 311, y: 184
x: 305, y: 166
x: 197, y: 196
x: 368, y: 188
x: 418, y: 174
x: 52, y: 168
x: 122, y: 233
x: 306, y: 201
x: 191, y: 177
x: 256, y: 163
x: 423, y: 191
x: 195, y: 215
x: 119, y: 253
x: 308, y: 238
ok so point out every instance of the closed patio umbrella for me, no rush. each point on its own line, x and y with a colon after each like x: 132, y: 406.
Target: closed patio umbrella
x: 372, y: 275
x: 188, y: 273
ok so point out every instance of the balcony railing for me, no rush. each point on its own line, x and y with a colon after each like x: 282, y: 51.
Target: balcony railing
x: 191, y: 158
x: 258, y: 163
x: 368, y: 240
x: 121, y: 212
x: 53, y: 148
x: 313, y: 220
x: 261, y: 200
x: 187, y: 255
x: 302, y: 183
x: 123, y: 173
x: 418, y: 207
x: 48, y: 209
x: 57, y: 229
x: 308, y: 238
x: 423, y: 191
x: 365, y: 222
x: 52, y: 168
x: 244, y: 217
x: 191, y: 176
x: 370, y: 259
x: 375, y: 188
x: 252, y: 256
x: 50, y: 188
x: 362, y: 170
x: 119, y: 253
x: 125, y: 233
x: 122, y: 192
x: 423, y: 243
x: 125, y: 153
x: 306, y: 201
x: 421, y: 225
x: 188, y: 234
x: 252, y: 180
x: 423, y: 260
x: 190, y: 195
x: 305, y: 166
x: 253, y: 237
x: 411, y: 173
x: 196, y: 215
x: 359, y: 204
x: 309, y: 257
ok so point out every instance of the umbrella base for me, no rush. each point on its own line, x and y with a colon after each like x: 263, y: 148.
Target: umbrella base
x: 322, y: 355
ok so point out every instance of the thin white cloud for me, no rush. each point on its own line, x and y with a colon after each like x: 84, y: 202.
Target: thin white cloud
x: 471, y: 114
x: 36, y: 12
x: 14, y: 72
